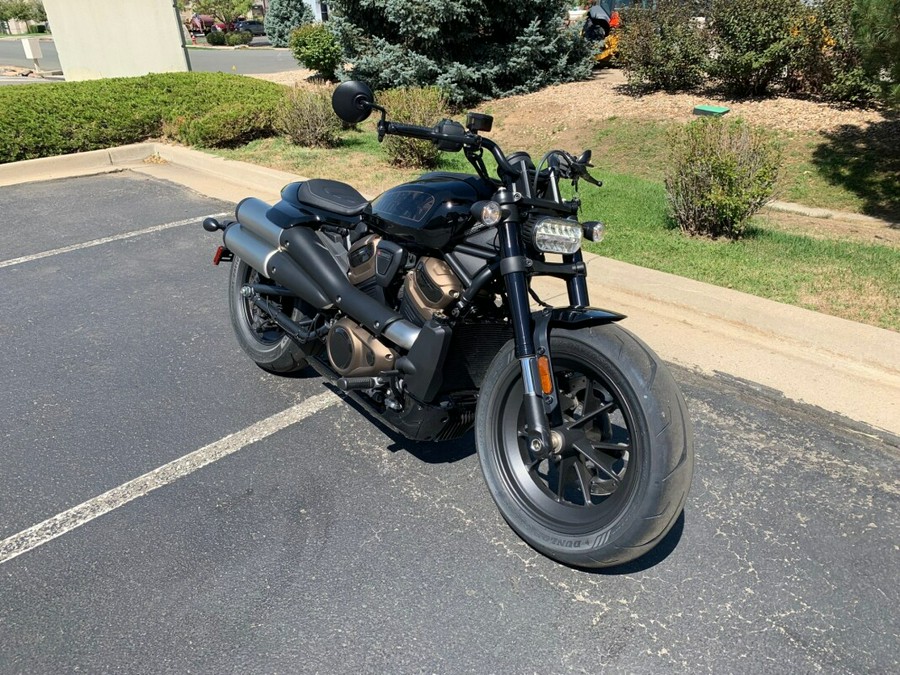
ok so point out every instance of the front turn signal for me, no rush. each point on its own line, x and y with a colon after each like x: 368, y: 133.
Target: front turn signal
x: 545, y: 374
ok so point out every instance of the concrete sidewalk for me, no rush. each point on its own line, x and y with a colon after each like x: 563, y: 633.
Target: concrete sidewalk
x: 841, y: 366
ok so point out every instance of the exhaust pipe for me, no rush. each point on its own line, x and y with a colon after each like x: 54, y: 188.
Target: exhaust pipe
x: 275, y: 264
x: 297, y: 251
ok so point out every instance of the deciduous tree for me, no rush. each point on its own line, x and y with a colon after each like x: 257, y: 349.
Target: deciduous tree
x: 226, y: 11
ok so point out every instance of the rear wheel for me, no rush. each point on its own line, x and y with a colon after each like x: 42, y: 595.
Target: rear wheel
x: 617, y: 480
x: 258, y: 335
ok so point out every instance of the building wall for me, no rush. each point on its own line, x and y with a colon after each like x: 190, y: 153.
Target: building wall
x: 116, y: 38
x: 316, y: 8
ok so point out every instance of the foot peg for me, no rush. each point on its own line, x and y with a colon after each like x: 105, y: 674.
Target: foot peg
x: 356, y: 383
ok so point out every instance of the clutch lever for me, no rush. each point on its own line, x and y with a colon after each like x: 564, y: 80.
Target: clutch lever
x: 590, y: 179
x: 580, y: 169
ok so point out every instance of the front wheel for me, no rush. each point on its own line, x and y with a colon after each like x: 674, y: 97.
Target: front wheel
x: 617, y: 480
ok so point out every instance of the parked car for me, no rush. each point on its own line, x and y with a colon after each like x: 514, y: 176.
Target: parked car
x: 253, y: 27
x: 202, y: 23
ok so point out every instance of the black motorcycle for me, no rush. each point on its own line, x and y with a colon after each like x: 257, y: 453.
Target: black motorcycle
x: 417, y: 304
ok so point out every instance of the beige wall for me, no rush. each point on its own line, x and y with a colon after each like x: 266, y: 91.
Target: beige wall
x: 116, y: 38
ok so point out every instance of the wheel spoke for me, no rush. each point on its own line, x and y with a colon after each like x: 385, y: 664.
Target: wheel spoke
x: 588, y: 417
x: 584, y: 481
x: 603, y: 461
x: 564, y: 466
x: 611, y: 447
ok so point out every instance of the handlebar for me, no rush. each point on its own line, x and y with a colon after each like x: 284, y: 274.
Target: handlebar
x: 570, y: 167
x: 467, y: 140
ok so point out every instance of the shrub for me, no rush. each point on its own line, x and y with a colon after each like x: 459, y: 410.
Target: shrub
x: 752, y: 41
x: 472, y: 50
x: 305, y: 116
x: 425, y: 106
x: 225, y: 126
x: 285, y: 16
x: 825, y: 58
x: 238, y: 38
x: 314, y: 46
x: 216, y: 38
x: 720, y: 173
x: 662, y: 46
x: 65, y: 117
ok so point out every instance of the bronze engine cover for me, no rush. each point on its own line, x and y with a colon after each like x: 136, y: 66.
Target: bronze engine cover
x: 354, y: 352
x: 428, y: 289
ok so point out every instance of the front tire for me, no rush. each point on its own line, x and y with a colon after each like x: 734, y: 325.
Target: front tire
x: 260, y: 338
x: 616, y: 488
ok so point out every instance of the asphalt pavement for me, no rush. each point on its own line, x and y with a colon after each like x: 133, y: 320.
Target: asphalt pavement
x: 300, y: 536
x: 255, y: 59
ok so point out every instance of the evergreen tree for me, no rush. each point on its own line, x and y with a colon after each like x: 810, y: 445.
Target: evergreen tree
x: 877, y: 27
x: 283, y: 17
x: 473, y: 49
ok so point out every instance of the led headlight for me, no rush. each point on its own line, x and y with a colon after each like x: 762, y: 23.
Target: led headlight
x: 557, y: 235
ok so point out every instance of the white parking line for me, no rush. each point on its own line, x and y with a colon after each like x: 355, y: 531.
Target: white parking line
x: 106, y: 240
x: 77, y: 516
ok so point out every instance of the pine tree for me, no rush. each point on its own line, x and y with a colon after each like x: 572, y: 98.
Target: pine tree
x: 283, y: 17
x: 473, y: 49
x: 876, y: 24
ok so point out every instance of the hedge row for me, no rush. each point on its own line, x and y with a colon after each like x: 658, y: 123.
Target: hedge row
x: 213, y: 109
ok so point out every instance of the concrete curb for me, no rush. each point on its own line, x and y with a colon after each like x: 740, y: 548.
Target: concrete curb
x: 841, y: 366
x: 801, y: 210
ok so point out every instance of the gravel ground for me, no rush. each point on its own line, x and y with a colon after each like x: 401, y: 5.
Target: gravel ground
x: 606, y: 96
x: 288, y: 77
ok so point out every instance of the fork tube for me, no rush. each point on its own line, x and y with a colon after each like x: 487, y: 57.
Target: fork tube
x: 577, y: 286
x: 512, y: 267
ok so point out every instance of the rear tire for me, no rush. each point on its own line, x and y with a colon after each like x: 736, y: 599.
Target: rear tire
x: 613, y: 494
x: 260, y: 338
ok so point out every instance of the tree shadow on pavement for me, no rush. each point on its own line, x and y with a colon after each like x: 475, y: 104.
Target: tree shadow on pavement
x: 866, y: 161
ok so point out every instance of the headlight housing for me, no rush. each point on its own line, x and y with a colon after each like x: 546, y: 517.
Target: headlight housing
x: 594, y: 231
x: 490, y: 213
x: 556, y: 235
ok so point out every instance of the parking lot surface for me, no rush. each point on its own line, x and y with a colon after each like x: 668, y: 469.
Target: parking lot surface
x: 242, y: 61
x: 332, y: 545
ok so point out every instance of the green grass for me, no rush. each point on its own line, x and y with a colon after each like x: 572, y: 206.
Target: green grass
x: 850, y: 169
x: 851, y: 280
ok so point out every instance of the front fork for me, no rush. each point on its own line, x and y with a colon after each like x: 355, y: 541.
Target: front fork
x: 542, y: 410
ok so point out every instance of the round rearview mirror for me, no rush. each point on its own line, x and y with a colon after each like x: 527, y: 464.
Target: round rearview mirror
x: 352, y: 101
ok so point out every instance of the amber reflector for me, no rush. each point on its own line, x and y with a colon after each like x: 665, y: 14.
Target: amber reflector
x: 546, y: 377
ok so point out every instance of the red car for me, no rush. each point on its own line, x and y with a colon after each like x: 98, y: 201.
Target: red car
x: 202, y: 23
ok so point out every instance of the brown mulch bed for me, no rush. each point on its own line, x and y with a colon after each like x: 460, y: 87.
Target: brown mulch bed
x: 606, y: 95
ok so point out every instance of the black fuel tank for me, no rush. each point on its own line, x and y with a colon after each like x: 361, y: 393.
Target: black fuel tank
x: 429, y: 211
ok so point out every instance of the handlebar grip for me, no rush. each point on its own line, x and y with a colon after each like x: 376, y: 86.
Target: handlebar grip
x: 427, y: 133
x: 399, y: 129
x: 466, y: 140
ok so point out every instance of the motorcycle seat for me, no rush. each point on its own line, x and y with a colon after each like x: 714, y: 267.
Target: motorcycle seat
x: 331, y: 195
